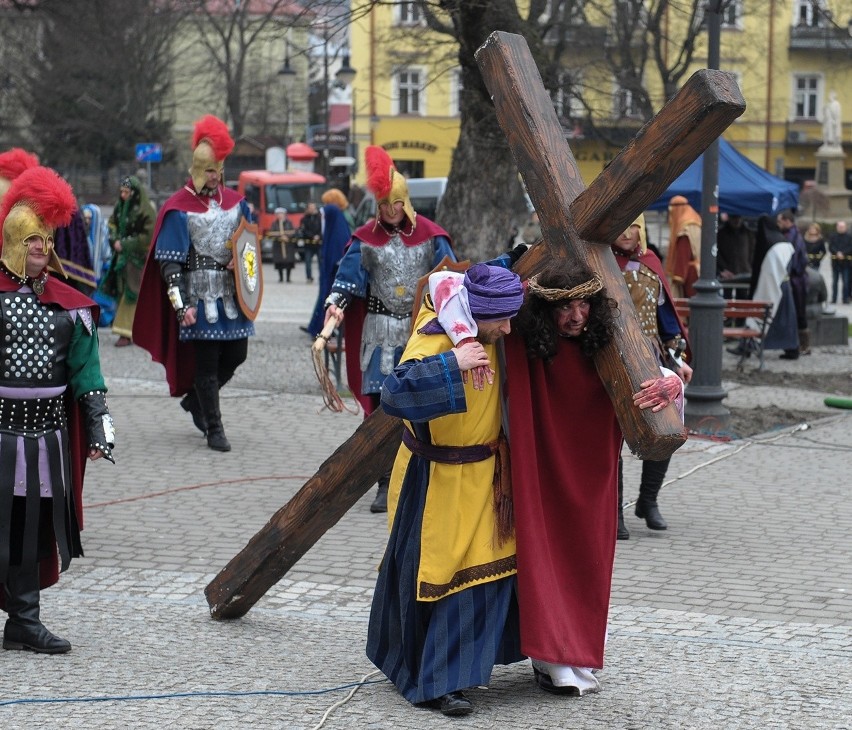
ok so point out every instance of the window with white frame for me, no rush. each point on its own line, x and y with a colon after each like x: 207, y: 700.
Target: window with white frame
x: 408, y: 13
x: 807, y: 92
x: 456, y: 87
x: 566, y: 97
x: 408, y: 91
x: 808, y: 13
x: 732, y: 15
x: 625, y: 104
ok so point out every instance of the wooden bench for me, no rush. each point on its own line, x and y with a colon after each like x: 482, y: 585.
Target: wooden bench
x: 735, y: 326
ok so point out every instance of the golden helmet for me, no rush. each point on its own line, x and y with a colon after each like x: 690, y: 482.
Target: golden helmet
x: 37, y: 202
x: 386, y: 183
x: 211, y: 144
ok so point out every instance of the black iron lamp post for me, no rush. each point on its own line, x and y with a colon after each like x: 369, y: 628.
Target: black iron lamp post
x: 704, y: 411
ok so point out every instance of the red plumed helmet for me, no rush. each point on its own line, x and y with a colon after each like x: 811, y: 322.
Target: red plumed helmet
x: 15, y: 161
x: 36, y: 204
x: 380, y: 169
x: 387, y: 183
x: 45, y: 192
x: 215, y: 131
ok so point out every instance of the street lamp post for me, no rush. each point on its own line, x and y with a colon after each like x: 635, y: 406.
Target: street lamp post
x: 288, y: 77
x: 704, y: 410
x: 327, y: 109
x: 345, y: 77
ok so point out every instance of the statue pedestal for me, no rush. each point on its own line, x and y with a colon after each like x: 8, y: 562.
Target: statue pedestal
x: 831, y: 180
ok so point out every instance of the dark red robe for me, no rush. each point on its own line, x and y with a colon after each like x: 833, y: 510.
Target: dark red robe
x: 565, y: 441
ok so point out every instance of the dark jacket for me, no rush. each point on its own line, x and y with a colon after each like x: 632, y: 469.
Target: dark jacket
x: 311, y: 229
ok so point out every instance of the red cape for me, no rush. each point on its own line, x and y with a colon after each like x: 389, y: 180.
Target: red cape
x: 155, y: 326
x: 565, y: 441
x: 67, y: 297
x: 356, y: 311
x: 374, y: 234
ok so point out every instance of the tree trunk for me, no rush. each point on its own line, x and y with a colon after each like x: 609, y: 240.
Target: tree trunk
x: 484, y: 195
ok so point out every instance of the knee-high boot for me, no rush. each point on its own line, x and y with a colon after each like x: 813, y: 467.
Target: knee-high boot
x: 653, y: 474
x: 622, y: 533
x: 208, y: 395
x: 380, y: 503
x: 192, y: 405
x: 23, y: 628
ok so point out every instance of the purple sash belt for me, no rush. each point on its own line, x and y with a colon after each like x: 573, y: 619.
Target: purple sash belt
x: 448, y: 454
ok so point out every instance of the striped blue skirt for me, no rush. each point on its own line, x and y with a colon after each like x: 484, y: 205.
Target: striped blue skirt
x: 428, y: 649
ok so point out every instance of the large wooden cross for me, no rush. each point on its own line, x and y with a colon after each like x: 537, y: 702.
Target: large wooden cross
x: 577, y: 223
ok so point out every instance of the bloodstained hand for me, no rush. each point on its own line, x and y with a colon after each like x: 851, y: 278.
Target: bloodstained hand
x: 656, y: 394
x: 481, y: 375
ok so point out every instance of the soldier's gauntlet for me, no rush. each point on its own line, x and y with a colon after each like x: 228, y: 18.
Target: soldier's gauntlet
x: 175, y: 287
x: 100, y: 430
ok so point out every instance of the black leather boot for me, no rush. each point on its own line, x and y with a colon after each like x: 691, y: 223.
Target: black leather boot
x: 208, y: 395
x: 24, y: 630
x: 380, y: 503
x: 653, y: 474
x: 622, y: 533
x: 192, y: 406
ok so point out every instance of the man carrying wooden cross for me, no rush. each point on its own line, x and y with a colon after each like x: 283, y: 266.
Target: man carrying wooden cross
x: 445, y: 609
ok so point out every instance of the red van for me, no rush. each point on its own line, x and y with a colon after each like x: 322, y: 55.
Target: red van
x: 270, y: 190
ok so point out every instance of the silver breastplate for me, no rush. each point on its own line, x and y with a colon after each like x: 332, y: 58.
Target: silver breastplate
x: 394, y: 270
x: 210, y: 231
x: 35, y: 341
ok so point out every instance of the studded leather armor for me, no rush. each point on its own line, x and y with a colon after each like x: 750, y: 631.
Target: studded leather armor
x: 35, y: 340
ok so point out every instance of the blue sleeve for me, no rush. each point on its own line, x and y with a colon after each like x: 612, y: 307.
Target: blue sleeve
x: 442, y: 248
x: 667, y: 324
x: 352, y: 278
x: 172, y: 242
x: 503, y: 260
x: 420, y: 390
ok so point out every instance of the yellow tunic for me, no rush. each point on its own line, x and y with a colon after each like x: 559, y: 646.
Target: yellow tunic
x: 458, y: 538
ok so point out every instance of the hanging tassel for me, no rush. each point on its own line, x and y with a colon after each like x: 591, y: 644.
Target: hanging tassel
x: 504, y: 511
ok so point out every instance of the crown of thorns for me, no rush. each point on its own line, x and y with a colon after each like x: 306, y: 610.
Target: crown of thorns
x: 581, y: 291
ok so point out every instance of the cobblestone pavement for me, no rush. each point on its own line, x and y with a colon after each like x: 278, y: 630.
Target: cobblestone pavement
x: 738, y: 616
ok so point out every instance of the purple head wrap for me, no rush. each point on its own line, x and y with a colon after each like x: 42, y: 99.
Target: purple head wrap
x: 493, y: 292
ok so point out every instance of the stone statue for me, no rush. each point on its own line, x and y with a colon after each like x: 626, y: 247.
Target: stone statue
x: 832, y: 134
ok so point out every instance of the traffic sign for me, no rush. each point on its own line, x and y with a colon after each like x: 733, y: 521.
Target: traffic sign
x: 149, y: 152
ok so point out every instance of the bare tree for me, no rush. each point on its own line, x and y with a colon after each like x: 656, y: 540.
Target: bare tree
x: 94, y: 81
x: 228, y: 30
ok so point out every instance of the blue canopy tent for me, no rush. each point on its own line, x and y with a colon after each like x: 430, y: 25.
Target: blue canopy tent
x: 744, y: 188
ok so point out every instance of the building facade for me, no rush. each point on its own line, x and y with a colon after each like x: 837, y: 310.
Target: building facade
x: 787, y: 56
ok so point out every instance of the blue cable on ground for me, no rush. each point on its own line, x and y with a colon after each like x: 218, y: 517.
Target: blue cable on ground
x: 178, y: 695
